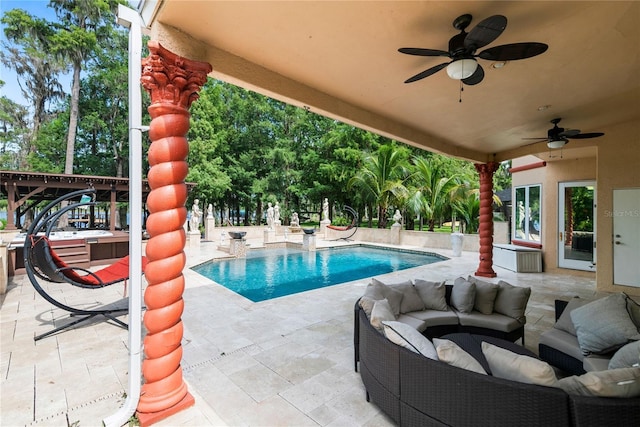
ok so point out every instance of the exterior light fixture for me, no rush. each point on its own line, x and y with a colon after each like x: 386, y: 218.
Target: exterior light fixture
x: 462, y: 68
x: 558, y: 143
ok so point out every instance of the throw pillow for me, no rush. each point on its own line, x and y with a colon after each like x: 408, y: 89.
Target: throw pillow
x: 604, y: 324
x: 433, y: 294
x: 512, y: 301
x: 381, y: 311
x: 517, y: 367
x: 367, y: 305
x: 451, y: 353
x: 623, y: 382
x: 463, y: 295
x: 564, y: 322
x: 485, y: 295
x: 407, y: 337
x: 411, y: 300
x: 627, y: 357
x: 378, y: 290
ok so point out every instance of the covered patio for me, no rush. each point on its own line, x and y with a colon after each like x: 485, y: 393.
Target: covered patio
x: 285, y: 361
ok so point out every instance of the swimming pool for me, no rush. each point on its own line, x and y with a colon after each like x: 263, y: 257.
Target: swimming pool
x: 272, y: 273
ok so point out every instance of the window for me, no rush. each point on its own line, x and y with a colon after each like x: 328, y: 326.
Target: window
x: 526, y: 213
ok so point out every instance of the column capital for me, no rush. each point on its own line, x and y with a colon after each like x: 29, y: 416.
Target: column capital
x: 170, y: 78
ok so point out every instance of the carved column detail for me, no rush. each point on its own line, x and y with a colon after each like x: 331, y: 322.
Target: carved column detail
x: 173, y: 83
x: 485, y: 229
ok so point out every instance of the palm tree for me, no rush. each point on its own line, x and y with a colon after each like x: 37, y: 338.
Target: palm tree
x: 469, y: 208
x: 382, y: 178
x: 433, y: 191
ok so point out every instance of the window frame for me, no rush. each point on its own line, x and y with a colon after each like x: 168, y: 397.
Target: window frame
x: 525, y: 217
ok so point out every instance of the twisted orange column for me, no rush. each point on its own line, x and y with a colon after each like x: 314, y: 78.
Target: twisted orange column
x: 485, y: 228
x: 173, y: 83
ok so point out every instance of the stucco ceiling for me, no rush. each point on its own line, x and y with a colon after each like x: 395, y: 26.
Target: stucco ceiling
x: 341, y: 59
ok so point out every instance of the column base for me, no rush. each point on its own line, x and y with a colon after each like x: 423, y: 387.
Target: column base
x: 485, y: 273
x: 147, y: 419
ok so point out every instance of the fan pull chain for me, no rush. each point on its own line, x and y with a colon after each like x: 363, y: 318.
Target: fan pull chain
x: 461, y: 90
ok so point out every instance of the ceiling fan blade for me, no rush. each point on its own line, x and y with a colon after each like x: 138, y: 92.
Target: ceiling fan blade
x: 474, y: 78
x: 485, y: 32
x: 586, y: 135
x: 422, y: 52
x: 426, y: 73
x: 569, y: 133
x: 543, y: 138
x: 513, y: 52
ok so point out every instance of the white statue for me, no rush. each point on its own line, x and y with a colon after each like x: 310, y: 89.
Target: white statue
x: 210, y: 211
x: 397, y: 217
x: 196, y: 215
x: 295, y: 221
x: 276, y: 214
x: 270, y: 216
x: 325, y: 209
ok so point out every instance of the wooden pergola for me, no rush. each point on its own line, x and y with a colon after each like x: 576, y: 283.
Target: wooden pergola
x: 24, y: 190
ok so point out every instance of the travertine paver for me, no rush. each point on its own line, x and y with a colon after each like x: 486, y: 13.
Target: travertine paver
x: 287, y: 361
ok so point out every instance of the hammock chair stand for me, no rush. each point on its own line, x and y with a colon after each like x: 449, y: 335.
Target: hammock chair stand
x: 353, y: 227
x: 42, y: 263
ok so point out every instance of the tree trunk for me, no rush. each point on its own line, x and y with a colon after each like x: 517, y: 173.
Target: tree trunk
x: 73, y: 120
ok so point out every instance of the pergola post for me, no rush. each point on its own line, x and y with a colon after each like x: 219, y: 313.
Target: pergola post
x: 485, y: 229
x: 173, y: 83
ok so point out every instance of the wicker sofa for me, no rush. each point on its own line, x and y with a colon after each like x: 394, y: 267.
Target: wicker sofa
x: 417, y: 391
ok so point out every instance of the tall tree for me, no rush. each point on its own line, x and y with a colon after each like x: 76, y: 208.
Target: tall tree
x: 29, y: 42
x: 80, y: 24
x: 13, y: 132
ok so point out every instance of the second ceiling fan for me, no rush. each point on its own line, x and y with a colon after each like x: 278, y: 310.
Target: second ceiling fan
x: 462, y: 50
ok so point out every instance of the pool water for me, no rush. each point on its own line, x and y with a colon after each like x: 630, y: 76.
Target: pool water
x: 272, y: 273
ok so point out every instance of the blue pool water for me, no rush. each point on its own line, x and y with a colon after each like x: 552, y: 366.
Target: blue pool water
x: 272, y: 273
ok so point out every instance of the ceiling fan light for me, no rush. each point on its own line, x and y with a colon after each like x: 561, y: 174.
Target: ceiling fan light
x: 462, y: 68
x: 558, y: 143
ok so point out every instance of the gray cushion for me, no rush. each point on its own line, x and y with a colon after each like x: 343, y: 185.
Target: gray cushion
x: 411, y: 300
x: 367, y: 304
x: 626, y: 357
x: 603, y: 325
x: 623, y: 382
x: 512, y: 301
x: 463, y: 295
x: 486, y: 293
x: 595, y: 362
x: 517, y: 367
x: 562, y: 341
x: 407, y: 337
x: 452, y: 354
x: 496, y: 321
x: 565, y: 323
x: 378, y: 290
x: 433, y: 294
x: 435, y: 317
x: 381, y: 311
x: 415, y: 323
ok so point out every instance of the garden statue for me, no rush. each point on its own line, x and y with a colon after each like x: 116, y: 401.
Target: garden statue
x: 196, y: 214
x: 270, y: 216
x: 295, y: 221
x: 325, y: 209
x: 397, y: 217
x: 210, y: 211
x: 276, y: 214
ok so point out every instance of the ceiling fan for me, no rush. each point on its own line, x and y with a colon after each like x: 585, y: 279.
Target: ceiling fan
x: 462, y: 50
x: 558, y: 137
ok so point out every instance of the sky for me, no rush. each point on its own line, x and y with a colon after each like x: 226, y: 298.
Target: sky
x: 36, y: 8
x: 40, y: 9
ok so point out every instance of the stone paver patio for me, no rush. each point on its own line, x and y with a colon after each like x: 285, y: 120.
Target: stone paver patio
x: 286, y: 361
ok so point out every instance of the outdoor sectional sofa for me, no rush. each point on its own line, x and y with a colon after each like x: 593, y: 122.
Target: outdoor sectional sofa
x: 414, y: 390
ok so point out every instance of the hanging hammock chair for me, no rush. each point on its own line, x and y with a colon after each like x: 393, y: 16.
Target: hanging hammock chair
x: 43, y: 263
x: 353, y: 227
